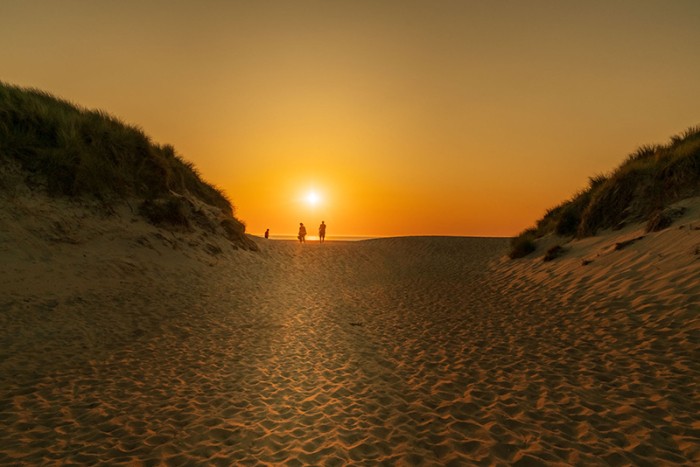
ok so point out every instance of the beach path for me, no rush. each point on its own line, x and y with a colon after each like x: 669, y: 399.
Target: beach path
x: 401, y: 351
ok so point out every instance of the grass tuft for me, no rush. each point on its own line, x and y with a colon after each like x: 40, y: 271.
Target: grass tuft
x: 523, y: 244
x: 553, y: 253
x: 663, y: 219
x: 171, y: 211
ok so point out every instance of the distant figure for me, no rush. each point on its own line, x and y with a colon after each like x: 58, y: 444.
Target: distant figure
x: 302, y: 233
x: 322, y: 232
x: 267, y: 233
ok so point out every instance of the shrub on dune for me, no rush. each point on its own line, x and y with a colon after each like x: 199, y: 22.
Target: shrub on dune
x: 647, y: 182
x: 76, y: 152
x: 523, y: 244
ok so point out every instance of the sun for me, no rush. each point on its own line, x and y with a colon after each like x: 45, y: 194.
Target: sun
x: 312, y: 198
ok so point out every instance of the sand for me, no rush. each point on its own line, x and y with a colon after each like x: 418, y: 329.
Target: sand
x: 123, y: 343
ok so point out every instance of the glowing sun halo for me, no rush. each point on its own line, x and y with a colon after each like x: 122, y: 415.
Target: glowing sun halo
x: 312, y: 198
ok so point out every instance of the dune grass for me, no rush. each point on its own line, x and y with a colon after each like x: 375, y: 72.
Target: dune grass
x: 640, y: 189
x: 76, y: 152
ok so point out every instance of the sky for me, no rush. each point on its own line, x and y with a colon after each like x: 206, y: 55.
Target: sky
x: 433, y: 117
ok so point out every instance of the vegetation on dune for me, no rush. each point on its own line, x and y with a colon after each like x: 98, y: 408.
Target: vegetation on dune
x: 523, y: 244
x: 78, y: 152
x: 640, y: 189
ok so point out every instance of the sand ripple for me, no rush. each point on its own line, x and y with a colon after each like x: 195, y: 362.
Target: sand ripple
x: 398, y: 351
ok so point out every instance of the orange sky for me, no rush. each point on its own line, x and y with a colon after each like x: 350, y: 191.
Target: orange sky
x: 406, y: 117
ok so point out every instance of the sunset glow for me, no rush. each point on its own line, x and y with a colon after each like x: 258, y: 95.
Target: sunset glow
x: 383, y: 118
x: 313, y: 198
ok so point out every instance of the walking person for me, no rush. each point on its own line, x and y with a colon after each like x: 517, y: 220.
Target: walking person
x: 302, y: 233
x: 267, y: 233
x: 322, y: 232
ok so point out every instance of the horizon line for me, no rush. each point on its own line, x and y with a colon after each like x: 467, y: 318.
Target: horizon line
x: 285, y: 237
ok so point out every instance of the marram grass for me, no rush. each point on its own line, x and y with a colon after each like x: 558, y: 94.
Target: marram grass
x: 76, y: 152
x: 649, y: 180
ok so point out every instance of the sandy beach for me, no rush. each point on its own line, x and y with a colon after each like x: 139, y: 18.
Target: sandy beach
x: 125, y: 344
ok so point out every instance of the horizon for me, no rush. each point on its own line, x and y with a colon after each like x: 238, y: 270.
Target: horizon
x: 383, y: 119
x: 353, y: 238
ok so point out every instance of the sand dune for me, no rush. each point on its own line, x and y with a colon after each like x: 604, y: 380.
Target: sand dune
x: 121, y: 343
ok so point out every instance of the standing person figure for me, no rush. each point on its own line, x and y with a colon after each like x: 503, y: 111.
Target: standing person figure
x: 322, y: 232
x: 267, y: 233
x: 302, y: 233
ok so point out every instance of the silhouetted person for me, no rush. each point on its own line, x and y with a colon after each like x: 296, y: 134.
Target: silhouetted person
x: 302, y: 233
x: 322, y: 232
x: 267, y: 233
